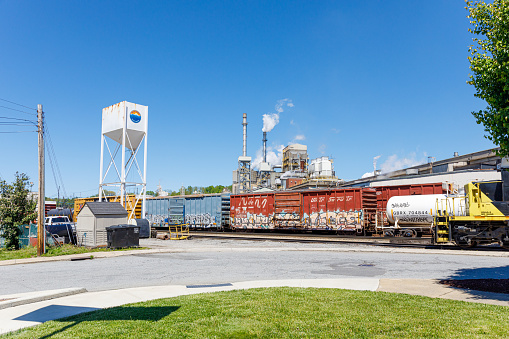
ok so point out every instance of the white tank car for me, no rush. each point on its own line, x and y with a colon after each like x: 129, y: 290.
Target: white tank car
x: 415, y: 210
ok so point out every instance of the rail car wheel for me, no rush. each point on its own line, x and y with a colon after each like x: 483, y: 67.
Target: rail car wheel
x: 409, y: 233
x: 389, y: 233
x: 464, y: 243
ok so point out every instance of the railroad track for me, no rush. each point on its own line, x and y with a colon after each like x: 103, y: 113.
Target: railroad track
x: 424, y: 242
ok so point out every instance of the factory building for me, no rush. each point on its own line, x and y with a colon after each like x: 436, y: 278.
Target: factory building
x: 295, y: 158
x: 297, y: 172
x: 320, y: 174
x: 456, y: 171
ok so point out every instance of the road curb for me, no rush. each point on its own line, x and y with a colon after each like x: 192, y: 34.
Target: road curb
x: 33, y: 297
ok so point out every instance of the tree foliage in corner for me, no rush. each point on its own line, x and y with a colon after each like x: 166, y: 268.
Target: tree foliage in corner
x: 489, y: 63
x: 16, y: 208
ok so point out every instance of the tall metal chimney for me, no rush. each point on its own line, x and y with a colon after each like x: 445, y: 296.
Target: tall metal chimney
x: 264, y: 146
x: 244, y: 123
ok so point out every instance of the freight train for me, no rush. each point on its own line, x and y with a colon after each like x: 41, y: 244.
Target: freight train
x: 347, y: 210
x: 203, y: 211
x: 480, y: 216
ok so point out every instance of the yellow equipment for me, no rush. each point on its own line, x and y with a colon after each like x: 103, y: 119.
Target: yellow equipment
x: 486, y: 219
x: 133, y: 205
x: 179, y: 232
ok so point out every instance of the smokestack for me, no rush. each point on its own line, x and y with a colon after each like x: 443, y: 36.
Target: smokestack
x: 244, y: 124
x: 264, y: 146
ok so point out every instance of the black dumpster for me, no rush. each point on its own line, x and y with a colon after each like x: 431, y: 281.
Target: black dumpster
x: 120, y: 236
x: 144, y: 227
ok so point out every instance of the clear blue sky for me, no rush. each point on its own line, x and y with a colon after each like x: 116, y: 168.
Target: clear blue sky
x: 365, y: 78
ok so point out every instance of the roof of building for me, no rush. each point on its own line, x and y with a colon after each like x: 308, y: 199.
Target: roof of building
x: 482, y: 160
x: 106, y: 208
x: 296, y: 147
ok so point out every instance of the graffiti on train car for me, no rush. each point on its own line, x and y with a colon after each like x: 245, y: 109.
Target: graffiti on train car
x: 175, y: 220
x: 204, y: 220
x: 155, y: 218
x: 287, y: 219
x: 334, y: 220
x: 251, y: 221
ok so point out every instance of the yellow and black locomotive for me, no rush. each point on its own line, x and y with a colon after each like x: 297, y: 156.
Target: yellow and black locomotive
x: 483, y: 219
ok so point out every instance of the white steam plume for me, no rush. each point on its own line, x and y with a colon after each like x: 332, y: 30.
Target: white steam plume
x: 394, y: 163
x: 274, y: 156
x: 375, y: 159
x: 270, y: 120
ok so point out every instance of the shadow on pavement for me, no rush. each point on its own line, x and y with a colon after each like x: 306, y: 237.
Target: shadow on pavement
x: 73, y: 314
x: 481, y: 283
x: 501, y: 272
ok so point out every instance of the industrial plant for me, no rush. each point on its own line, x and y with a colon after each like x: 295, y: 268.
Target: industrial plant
x: 290, y: 193
x: 296, y: 169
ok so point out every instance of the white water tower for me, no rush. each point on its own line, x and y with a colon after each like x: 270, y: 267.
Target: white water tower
x: 127, y: 125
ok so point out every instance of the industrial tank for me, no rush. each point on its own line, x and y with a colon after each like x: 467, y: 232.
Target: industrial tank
x: 420, y: 209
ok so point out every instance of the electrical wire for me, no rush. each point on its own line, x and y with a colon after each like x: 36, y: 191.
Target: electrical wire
x: 16, y: 122
x: 18, y: 110
x: 53, y: 161
x: 17, y: 119
x: 11, y: 102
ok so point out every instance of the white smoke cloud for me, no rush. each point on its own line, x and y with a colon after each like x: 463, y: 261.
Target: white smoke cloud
x: 375, y: 159
x: 274, y: 156
x: 322, y: 148
x: 367, y: 175
x: 335, y: 130
x: 394, y: 163
x: 270, y: 120
x: 299, y: 137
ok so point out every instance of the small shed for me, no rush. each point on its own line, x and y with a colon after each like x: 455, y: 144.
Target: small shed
x: 93, y: 219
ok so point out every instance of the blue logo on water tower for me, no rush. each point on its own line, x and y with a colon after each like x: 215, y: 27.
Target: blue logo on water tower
x: 135, y: 116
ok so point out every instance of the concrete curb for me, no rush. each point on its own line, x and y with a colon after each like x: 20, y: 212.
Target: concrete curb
x: 33, y: 297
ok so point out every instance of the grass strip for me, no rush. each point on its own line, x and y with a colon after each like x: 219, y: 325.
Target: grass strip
x: 31, y: 252
x: 284, y: 313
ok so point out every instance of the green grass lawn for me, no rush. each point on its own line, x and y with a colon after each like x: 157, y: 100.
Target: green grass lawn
x: 31, y: 252
x: 285, y: 313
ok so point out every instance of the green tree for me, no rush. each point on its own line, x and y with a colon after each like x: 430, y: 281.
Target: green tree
x: 151, y: 193
x: 16, y: 208
x: 489, y: 63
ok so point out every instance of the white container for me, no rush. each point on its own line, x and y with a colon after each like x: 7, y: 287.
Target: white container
x: 129, y: 116
x: 420, y: 209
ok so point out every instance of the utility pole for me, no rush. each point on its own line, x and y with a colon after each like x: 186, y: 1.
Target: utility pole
x: 41, y: 231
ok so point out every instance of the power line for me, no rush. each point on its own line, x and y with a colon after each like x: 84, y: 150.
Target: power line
x: 16, y: 122
x: 18, y: 110
x: 53, y: 161
x: 21, y: 132
x: 11, y: 102
x: 9, y: 118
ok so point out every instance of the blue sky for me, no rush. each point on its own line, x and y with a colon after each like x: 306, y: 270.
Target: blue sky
x: 365, y: 78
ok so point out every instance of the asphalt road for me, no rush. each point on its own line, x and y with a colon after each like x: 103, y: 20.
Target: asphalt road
x: 210, y: 261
